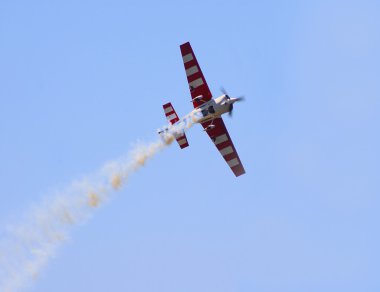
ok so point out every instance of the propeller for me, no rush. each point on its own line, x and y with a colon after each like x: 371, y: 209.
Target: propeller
x: 231, y: 108
x: 224, y: 91
x: 240, y: 98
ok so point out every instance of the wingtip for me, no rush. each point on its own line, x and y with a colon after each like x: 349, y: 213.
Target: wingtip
x: 240, y: 174
x: 187, y: 44
x: 238, y: 171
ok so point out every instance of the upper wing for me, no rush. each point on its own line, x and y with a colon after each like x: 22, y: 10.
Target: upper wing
x: 197, y: 82
x: 222, y: 140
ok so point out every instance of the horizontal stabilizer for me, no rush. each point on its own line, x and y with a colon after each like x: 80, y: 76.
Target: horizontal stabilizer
x: 170, y: 113
x: 182, y: 141
x: 172, y: 117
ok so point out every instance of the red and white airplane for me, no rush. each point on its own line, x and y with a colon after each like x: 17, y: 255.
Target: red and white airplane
x: 207, y: 111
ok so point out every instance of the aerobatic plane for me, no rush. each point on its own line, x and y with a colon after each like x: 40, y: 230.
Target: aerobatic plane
x: 207, y: 111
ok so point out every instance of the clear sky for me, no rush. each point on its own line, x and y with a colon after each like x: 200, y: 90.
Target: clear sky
x: 82, y: 81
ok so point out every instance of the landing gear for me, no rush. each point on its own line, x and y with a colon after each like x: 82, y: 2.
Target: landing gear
x: 209, y: 127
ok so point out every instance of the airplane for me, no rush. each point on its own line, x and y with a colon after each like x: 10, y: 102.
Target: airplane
x: 207, y: 111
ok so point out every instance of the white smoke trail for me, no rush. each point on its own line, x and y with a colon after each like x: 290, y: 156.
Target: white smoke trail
x: 29, y: 246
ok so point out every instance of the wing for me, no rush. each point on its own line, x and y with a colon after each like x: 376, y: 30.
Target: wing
x: 222, y: 140
x: 197, y: 82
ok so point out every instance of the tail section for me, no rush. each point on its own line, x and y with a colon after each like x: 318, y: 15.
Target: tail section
x: 172, y: 117
x: 170, y: 113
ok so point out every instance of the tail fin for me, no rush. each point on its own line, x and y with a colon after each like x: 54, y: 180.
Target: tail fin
x: 172, y: 117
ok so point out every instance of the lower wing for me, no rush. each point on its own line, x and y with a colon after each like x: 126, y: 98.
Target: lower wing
x: 222, y: 140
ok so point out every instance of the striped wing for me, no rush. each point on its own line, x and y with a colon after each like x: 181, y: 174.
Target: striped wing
x: 197, y: 82
x: 222, y: 140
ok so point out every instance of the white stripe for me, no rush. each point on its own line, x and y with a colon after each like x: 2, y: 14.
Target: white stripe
x: 233, y: 162
x: 168, y: 110
x: 187, y: 58
x: 172, y: 117
x: 221, y: 139
x: 226, y: 150
x: 196, y: 83
x: 182, y: 141
x: 191, y: 71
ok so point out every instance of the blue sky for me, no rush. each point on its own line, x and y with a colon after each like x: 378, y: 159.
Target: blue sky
x: 82, y: 81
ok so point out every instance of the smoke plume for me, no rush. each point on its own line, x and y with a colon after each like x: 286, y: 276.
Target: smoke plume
x: 26, y: 248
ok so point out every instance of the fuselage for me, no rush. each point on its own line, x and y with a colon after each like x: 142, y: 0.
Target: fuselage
x: 209, y: 110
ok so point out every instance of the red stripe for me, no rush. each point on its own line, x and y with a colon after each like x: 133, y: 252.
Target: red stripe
x: 191, y: 63
x: 238, y: 169
x: 170, y: 113
x: 200, y: 90
x: 230, y: 156
x: 224, y: 144
x: 186, y: 49
x: 194, y: 77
